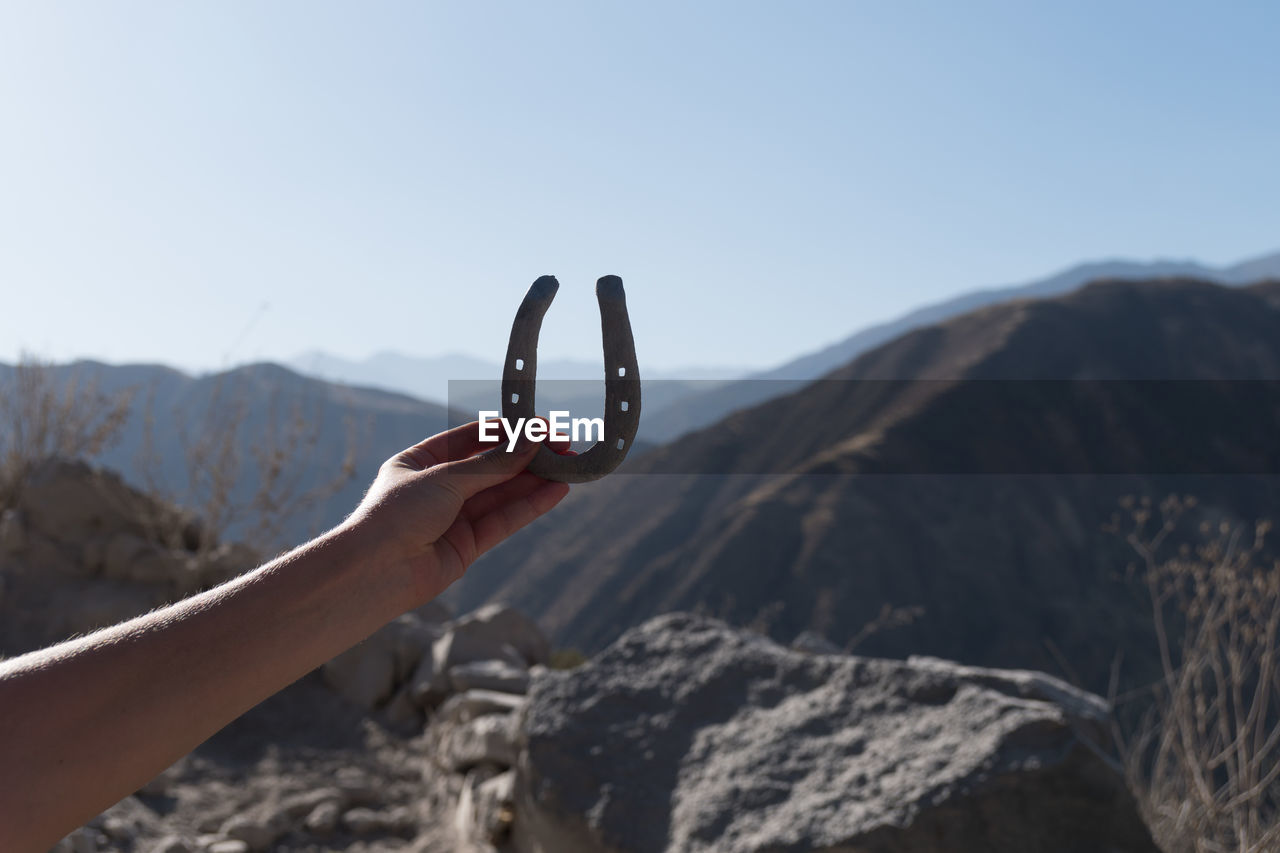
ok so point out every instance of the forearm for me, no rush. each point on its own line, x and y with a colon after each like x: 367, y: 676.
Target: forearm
x: 150, y: 690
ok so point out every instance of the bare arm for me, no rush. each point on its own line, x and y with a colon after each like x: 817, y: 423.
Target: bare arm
x: 87, y: 722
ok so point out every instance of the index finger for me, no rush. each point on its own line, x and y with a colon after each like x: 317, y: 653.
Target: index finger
x: 452, y: 444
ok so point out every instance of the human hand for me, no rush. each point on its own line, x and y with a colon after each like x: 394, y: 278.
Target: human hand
x: 437, y: 506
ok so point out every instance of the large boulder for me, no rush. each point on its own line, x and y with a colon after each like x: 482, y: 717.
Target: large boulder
x: 687, y: 735
x: 72, y: 500
x: 494, y: 632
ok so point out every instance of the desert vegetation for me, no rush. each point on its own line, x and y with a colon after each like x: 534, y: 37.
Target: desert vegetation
x: 1204, y: 757
x: 230, y: 466
x: 42, y: 416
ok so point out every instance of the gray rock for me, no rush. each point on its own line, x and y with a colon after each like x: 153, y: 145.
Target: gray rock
x: 465, y: 707
x: 296, y: 805
x: 172, y: 844
x: 127, y: 556
x: 428, y: 686
x: 258, y: 832
x: 369, y: 672
x: 364, y: 674
x: 228, y: 845
x: 484, y: 634
x: 497, y: 675
x: 324, y: 818
x: 484, y: 740
x: 686, y: 735
x: 356, y: 786
x: 493, y: 810
x: 402, y: 712
x: 70, y: 500
x: 362, y: 821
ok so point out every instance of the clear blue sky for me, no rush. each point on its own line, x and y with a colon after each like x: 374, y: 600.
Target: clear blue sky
x: 198, y: 183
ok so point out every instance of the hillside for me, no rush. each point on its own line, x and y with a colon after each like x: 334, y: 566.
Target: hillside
x: 817, y: 509
x: 444, y: 734
x: 711, y: 404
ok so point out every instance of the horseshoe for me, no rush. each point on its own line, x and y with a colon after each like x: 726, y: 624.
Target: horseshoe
x: 621, y: 381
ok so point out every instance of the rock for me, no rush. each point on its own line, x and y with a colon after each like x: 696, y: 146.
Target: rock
x: 428, y: 685
x: 687, y: 735
x: 323, y: 819
x: 493, y: 807
x: 172, y: 844
x: 129, y: 557
x: 412, y: 638
x: 465, y: 707
x: 403, y: 712
x: 364, y: 674
x: 356, y: 786
x: 228, y: 845
x: 498, y: 675
x: 297, y: 805
x: 117, y: 828
x: 484, y: 740
x: 814, y: 643
x: 464, y: 815
x: 259, y: 832
x: 369, y: 672
x: 483, y: 634
x: 69, y: 500
x: 364, y: 821
x: 434, y: 612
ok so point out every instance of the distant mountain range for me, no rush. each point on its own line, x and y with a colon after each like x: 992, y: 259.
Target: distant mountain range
x: 686, y: 399
x: 683, y: 415
x: 246, y: 420
x: 916, y: 494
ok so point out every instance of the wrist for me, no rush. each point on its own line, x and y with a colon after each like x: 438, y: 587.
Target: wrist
x: 372, y: 565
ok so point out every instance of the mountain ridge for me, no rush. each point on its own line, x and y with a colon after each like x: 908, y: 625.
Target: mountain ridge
x: 823, y: 537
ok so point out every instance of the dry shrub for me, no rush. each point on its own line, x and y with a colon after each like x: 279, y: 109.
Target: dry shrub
x: 245, y: 465
x: 42, y: 416
x: 245, y: 472
x: 1205, y: 757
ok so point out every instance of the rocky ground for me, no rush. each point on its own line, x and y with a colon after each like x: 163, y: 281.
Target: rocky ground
x: 444, y: 733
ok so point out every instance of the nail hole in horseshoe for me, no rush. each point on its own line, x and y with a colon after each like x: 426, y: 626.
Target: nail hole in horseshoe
x: 519, y: 364
x: 622, y: 442
x: 624, y: 405
x: 622, y: 371
x: 515, y: 398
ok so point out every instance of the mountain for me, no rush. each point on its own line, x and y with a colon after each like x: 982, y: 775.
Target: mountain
x: 973, y: 497
x: 566, y: 383
x: 679, y: 401
x: 237, y: 430
x: 689, y: 413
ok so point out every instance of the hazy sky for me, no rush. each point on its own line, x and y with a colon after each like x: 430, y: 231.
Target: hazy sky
x: 205, y: 183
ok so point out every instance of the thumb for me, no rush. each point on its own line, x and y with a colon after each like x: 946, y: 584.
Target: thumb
x: 477, y: 473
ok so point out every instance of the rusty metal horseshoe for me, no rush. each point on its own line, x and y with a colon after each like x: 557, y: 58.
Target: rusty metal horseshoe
x: 621, y: 381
